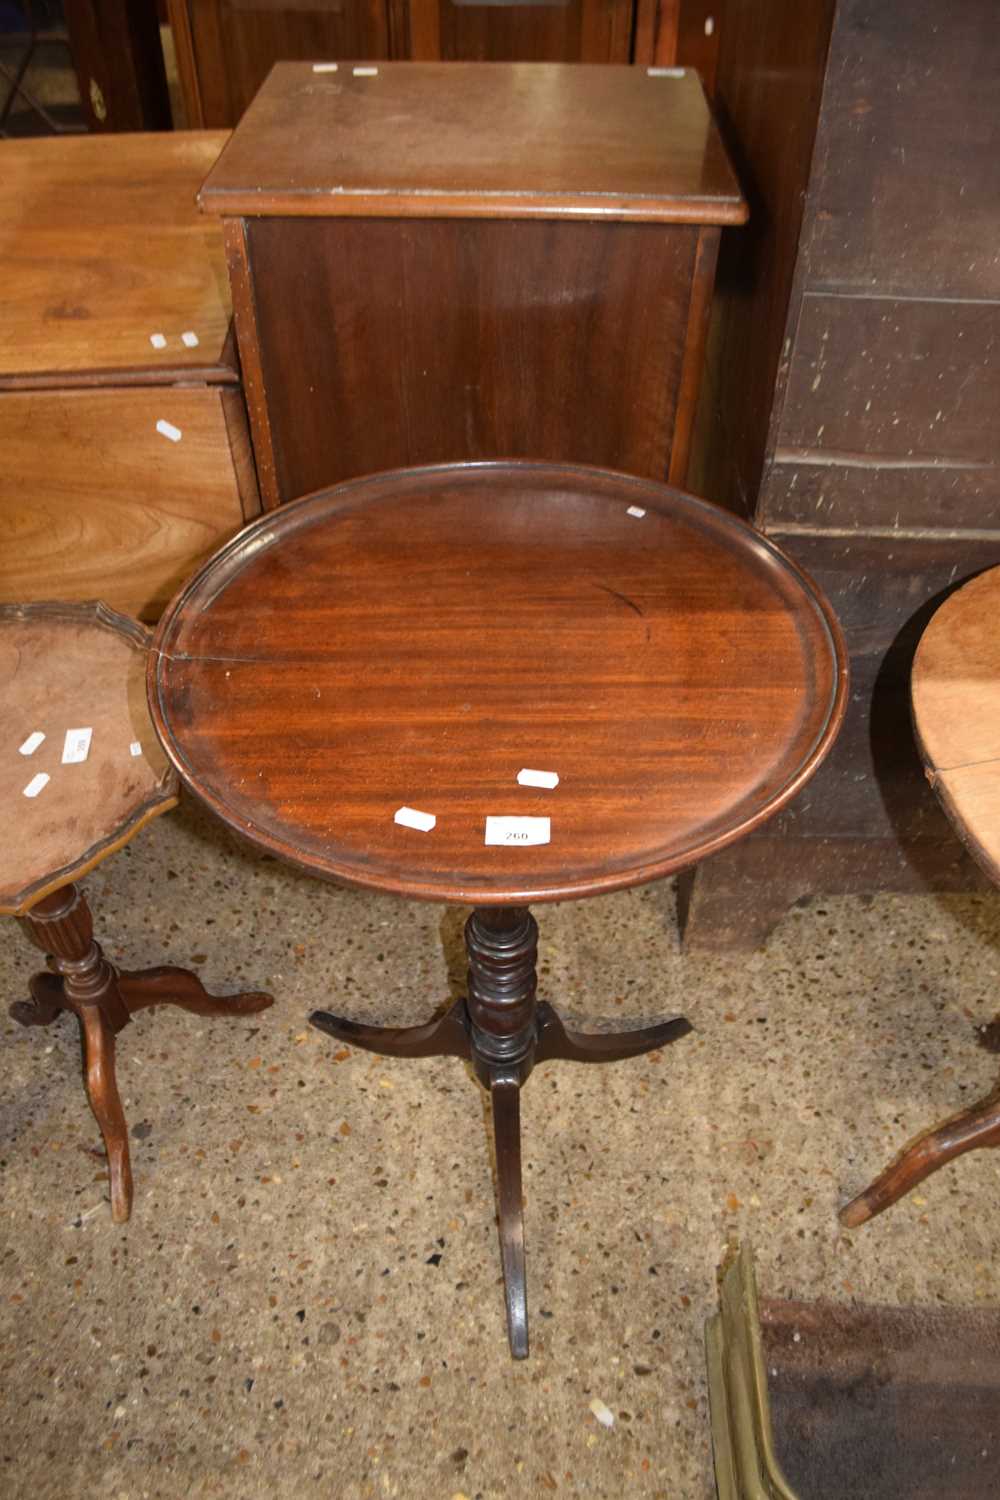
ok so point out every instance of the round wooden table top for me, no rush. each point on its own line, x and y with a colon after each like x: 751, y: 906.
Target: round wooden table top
x: 418, y: 639
x: 956, y: 711
x: 82, y: 770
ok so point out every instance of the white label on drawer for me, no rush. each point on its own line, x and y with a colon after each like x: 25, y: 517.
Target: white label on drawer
x: 32, y: 743
x: 637, y: 511
x: 35, y: 784
x: 365, y: 72
x: 189, y: 339
x: 408, y: 817
x: 324, y: 67
x: 76, y: 746
x: 157, y: 340
x: 518, y: 831
x: 538, y: 778
x: 169, y: 430
x: 665, y: 72
x: 135, y: 748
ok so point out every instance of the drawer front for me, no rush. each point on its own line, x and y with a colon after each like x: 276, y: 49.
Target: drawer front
x: 96, y: 503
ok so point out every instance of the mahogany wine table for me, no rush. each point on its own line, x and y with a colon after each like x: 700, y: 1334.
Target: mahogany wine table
x: 81, y: 773
x: 417, y: 639
x: 955, y: 690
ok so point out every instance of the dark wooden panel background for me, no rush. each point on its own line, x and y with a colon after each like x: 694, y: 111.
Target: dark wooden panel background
x: 769, y: 82
x: 517, y: 30
x: 226, y: 48
x: 908, y: 156
x: 855, y: 385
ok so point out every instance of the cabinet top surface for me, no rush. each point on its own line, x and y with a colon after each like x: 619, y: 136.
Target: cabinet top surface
x: 102, y: 248
x: 418, y: 639
x: 505, y: 140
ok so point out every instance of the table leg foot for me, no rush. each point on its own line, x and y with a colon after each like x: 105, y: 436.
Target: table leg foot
x: 505, y: 1097
x: 45, y: 1004
x: 968, y: 1130
x: 105, y: 1101
x: 104, y: 1001
x: 556, y: 1043
x: 172, y: 986
x: 448, y: 1036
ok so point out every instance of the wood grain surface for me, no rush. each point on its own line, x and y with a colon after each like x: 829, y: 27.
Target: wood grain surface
x: 63, y: 667
x: 891, y: 403
x: 417, y: 639
x: 769, y: 84
x: 908, y: 161
x: 956, y: 711
x: 226, y: 50
x: 592, y: 31
x: 102, y: 245
x: 385, y: 344
x: 95, y: 502
x: 463, y: 140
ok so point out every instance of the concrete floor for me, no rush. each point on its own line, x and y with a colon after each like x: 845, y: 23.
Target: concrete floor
x: 307, y: 1300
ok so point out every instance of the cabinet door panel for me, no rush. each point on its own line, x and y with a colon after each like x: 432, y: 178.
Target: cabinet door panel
x: 400, y: 342
x: 520, y: 30
x: 226, y: 48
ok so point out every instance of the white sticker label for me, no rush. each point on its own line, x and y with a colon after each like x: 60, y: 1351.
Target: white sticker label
x: 538, y: 778
x: 324, y: 67
x: 603, y: 1413
x: 365, y: 72
x: 35, y: 784
x: 665, y: 72
x: 135, y: 748
x: 408, y: 817
x: 32, y: 743
x: 637, y: 511
x: 189, y: 339
x: 169, y: 430
x: 157, y: 340
x: 518, y: 831
x: 76, y: 746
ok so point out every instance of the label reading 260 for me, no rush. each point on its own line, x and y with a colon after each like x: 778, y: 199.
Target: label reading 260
x: 518, y: 831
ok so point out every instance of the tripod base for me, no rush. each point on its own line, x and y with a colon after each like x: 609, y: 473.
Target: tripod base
x: 503, y: 1031
x: 104, y: 1001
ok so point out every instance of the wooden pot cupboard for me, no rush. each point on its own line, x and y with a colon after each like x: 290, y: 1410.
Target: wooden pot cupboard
x: 444, y: 262
x: 851, y: 397
x: 125, y: 461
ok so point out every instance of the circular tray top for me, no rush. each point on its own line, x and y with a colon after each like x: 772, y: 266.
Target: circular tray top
x: 73, y: 667
x: 416, y: 639
x: 956, y: 710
